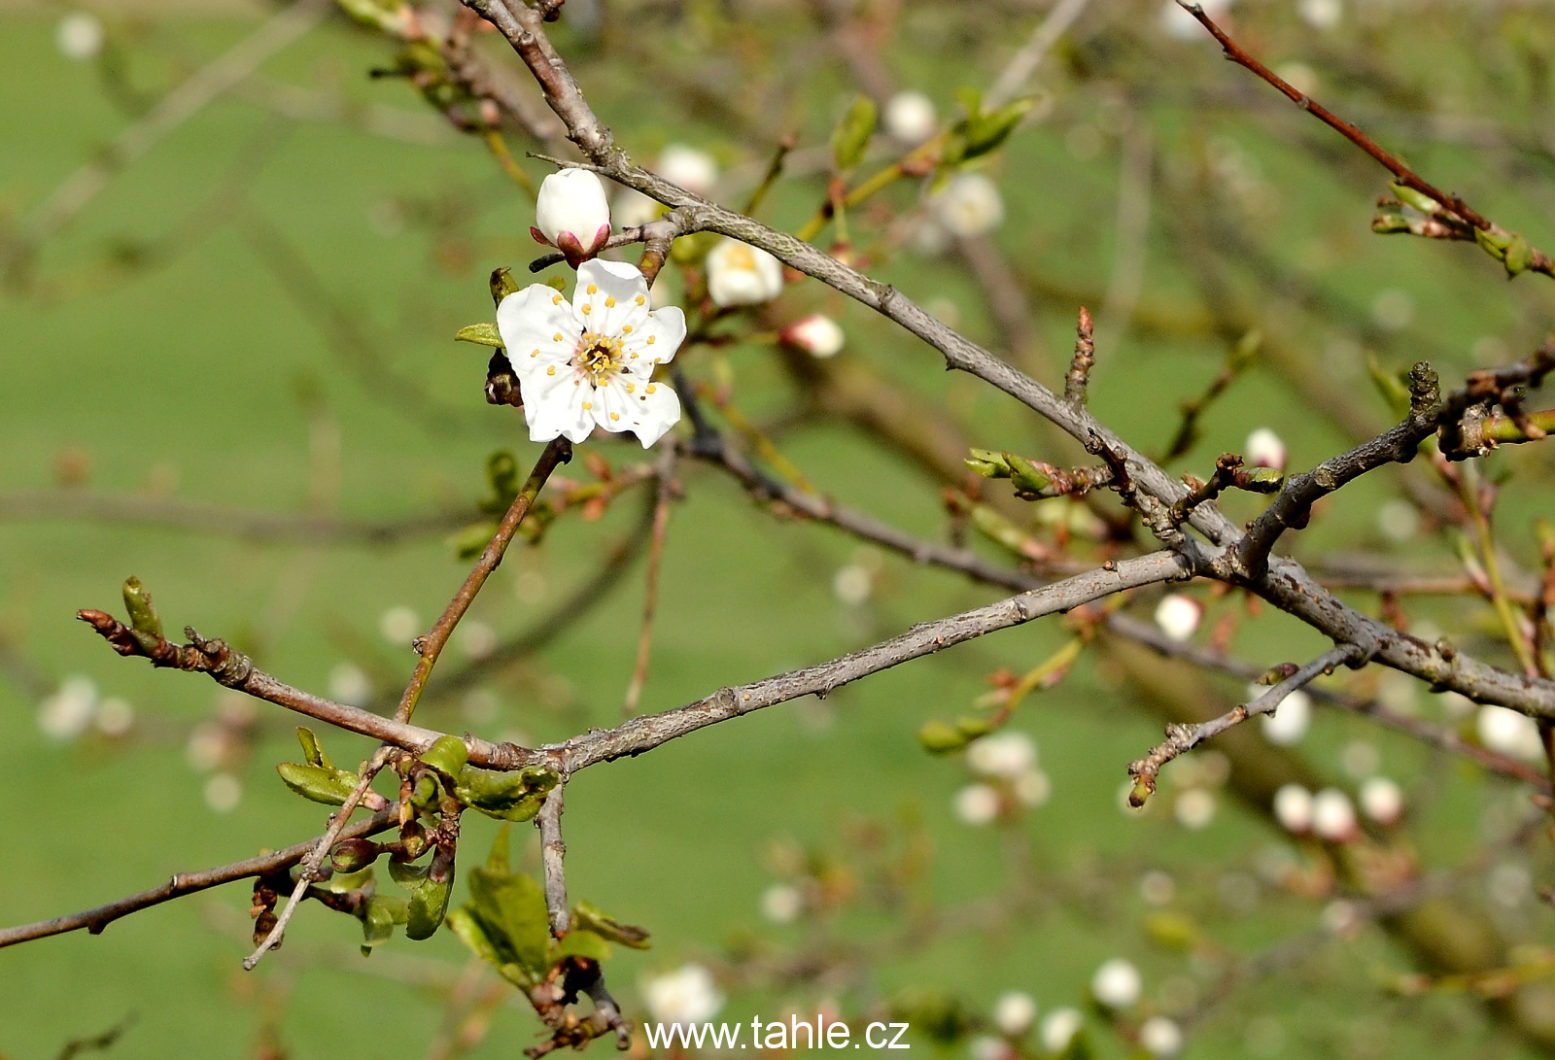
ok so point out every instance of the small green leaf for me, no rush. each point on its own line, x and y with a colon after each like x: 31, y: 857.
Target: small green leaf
x: 331, y: 786
x: 1416, y: 199
x: 447, y: 755
x: 986, y: 132
x: 312, y: 750
x: 941, y: 737
x: 511, y: 912
x: 507, y: 796
x: 608, y: 927
x: 502, y: 284
x: 851, y: 137
x: 144, y: 621
x: 1519, y: 255
x: 429, y: 899
x: 581, y: 943
x: 379, y: 915
x: 482, y: 334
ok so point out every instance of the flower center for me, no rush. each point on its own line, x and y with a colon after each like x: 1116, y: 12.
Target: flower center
x: 598, y: 357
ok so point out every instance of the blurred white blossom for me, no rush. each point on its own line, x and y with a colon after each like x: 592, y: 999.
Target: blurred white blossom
x: 1006, y: 754
x: 66, y: 714
x: 816, y: 334
x: 80, y: 36
x: 1014, y: 1013
x: 691, y: 168
x: 910, y: 117
x: 977, y: 804
x: 740, y: 275
x: 1059, y: 1028
x: 1293, y: 808
x: 969, y: 205
x: 1290, y: 720
x: 1333, y: 816
x: 1116, y: 984
x: 1160, y: 1036
x: 1264, y: 448
x: 683, y: 996
x: 1178, y: 615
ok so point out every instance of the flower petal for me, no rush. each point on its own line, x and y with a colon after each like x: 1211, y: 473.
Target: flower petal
x: 614, y: 407
x: 538, y: 328
x: 553, y: 405
x: 655, y: 342
x: 611, y: 297
x: 658, y: 408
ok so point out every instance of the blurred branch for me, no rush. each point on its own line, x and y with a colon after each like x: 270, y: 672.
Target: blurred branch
x: 242, y: 524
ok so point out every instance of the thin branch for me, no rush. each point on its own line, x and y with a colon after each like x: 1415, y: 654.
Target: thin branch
x: 185, y: 883
x: 646, y: 732
x: 665, y: 495
x: 1183, y: 738
x: 553, y: 854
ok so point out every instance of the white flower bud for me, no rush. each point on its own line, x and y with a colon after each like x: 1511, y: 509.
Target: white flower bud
x: 1293, y: 808
x: 1059, y: 1028
x: 572, y: 214
x: 782, y: 903
x: 1160, y: 1036
x: 910, y: 117
x: 692, y: 169
x: 1508, y: 732
x: 80, y: 36
x: 1195, y: 808
x: 1333, y: 816
x: 1005, y: 755
x: 1321, y: 14
x: 817, y: 335
x: 350, y: 684
x: 115, y: 717
x: 1032, y: 788
x: 1178, y: 615
x: 1265, y: 449
x: 969, y: 205
x: 1014, y: 1013
x: 399, y: 625
x: 685, y: 995
x: 66, y: 714
x: 977, y: 804
x: 1382, y: 800
x: 1116, y: 984
x: 223, y: 792
x: 740, y: 275
x: 1289, y: 722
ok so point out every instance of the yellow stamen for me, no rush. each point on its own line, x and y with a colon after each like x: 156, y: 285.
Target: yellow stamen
x: 610, y: 303
x: 551, y: 370
x: 593, y: 289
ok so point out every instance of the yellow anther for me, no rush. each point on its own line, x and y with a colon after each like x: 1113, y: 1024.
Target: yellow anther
x: 556, y: 299
x: 615, y: 415
x: 587, y: 309
x: 551, y: 370
x: 626, y: 329
x: 610, y: 303
x: 631, y: 388
x: 651, y: 338
x: 640, y: 300
x: 587, y: 406
x: 652, y: 387
x: 593, y: 289
x: 556, y: 337
x: 534, y: 353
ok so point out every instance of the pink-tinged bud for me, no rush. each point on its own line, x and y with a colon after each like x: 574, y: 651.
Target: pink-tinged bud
x: 817, y: 335
x: 1265, y: 449
x: 572, y: 215
x: 1178, y: 616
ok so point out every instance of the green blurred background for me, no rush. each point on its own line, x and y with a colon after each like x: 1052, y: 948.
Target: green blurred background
x: 182, y: 339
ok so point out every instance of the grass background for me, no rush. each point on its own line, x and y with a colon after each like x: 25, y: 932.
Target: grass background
x: 194, y: 373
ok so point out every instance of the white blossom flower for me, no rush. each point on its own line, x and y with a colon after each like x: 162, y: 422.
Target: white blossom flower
x: 692, y: 169
x: 1032, y: 788
x: 223, y: 792
x: 977, y: 804
x: 1059, y: 1028
x: 817, y: 335
x: 1293, y: 808
x: 477, y: 639
x: 67, y: 713
x: 1160, y: 1036
x: 1382, y: 800
x: 207, y: 747
x: 350, y: 684
x: 969, y: 205
x: 572, y: 214
x: 1333, y: 816
x: 115, y: 717
x: 590, y: 363
x: 1265, y: 449
x: 853, y: 584
x: 987, y: 1047
x: 399, y: 625
x: 1321, y: 14
x: 1398, y: 520
x: 1195, y: 808
x: 1178, y: 615
x: 1116, y: 984
x: 685, y: 995
x: 782, y: 903
x: 80, y: 36
x: 1509, y: 733
x: 910, y: 117
x: 1014, y: 1013
x: 739, y: 274
x: 1289, y: 722
x: 1005, y: 755
x: 632, y: 208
